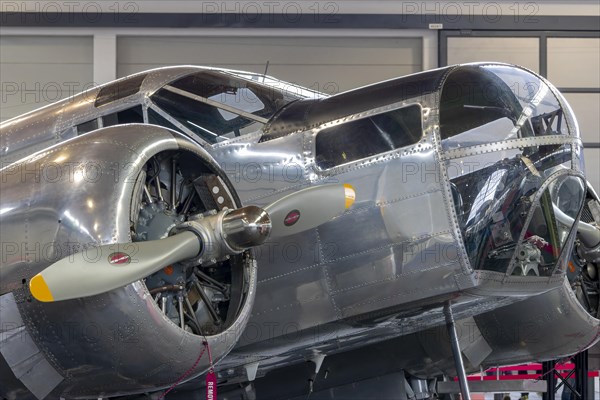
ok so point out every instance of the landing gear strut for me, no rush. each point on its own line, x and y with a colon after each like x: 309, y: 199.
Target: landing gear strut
x: 458, y: 361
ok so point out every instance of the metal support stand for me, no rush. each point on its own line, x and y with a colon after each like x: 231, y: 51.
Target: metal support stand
x: 550, y: 377
x: 581, y: 374
x: 458, y: 361
x: 580, y: 390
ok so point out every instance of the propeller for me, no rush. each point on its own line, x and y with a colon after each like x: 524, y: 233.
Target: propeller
x: 111, y: 266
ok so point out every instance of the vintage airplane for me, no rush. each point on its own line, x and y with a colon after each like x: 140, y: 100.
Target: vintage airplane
x: 189, y: 219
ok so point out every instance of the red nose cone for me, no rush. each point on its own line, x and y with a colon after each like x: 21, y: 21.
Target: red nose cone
x: 292, y: 217
x: 119, y: 258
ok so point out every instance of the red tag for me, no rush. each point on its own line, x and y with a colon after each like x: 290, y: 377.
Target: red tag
x: 291, y: 218
x: 211, y: 386
x: 119, y: 258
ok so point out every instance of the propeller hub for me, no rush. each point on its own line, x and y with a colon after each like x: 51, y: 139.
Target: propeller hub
x: 246, y: 227
x: 228, y: 232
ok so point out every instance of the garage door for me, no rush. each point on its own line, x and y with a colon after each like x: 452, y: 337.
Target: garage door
x: 326, y: 64
x: 579, y: 80
x: 522, y: 51
x: 37, y: 70
x: 571, y: 63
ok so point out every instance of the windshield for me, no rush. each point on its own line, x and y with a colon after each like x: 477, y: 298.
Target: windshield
x: 217, y: 106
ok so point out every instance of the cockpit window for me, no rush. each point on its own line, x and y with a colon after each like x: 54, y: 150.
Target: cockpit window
x: 243, y: 99
x: 550, y: 225
x: 129, y: 116
x: 484, y: 104
x: 157, y: 119
x: 367, y: 137
x: 87, y: 126
x: 204, y: 120
x: 505, y: 218
x: 217, y: 107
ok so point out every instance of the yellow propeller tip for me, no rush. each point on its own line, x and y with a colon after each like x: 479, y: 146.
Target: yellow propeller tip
x: 349, y: 194
x: 39, y: 289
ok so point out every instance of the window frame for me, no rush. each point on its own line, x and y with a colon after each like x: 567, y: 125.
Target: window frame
x: 358, y: 117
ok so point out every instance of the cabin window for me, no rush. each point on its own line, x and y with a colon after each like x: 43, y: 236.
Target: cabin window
x: 155, y: 118
x: 367, y: 137
x: 129, y: 116
x: 88, y: 126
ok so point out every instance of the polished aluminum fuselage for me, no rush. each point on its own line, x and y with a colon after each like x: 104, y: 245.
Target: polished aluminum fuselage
x: 382, y: 270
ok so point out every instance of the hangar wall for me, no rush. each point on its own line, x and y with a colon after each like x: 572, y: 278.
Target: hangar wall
x: 328, y: 64
x: 39, y: 70
x: 41, y: 64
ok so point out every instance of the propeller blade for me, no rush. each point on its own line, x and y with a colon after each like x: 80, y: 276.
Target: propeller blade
x: 309, y: 208
x: 109, y: 267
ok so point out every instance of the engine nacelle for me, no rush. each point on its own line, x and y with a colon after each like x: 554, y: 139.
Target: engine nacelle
x: 121, y: 184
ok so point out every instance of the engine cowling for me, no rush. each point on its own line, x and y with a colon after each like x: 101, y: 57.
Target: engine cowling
x: 122, y: 184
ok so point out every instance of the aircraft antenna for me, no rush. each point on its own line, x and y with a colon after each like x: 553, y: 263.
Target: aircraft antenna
x: 266, y: 69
